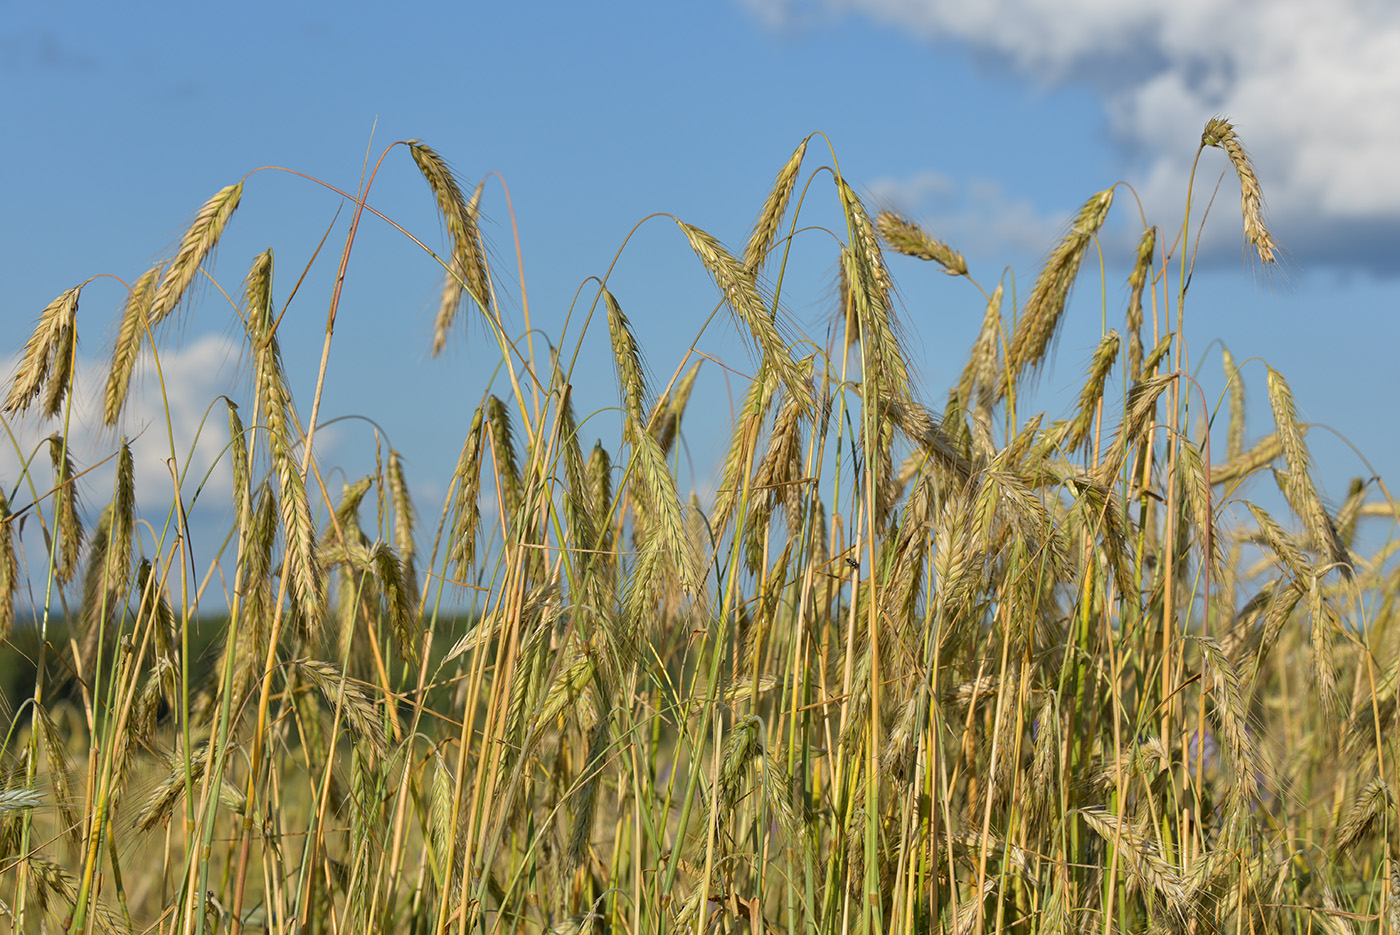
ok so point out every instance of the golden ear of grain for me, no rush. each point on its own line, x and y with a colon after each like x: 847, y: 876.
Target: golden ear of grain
x: 742, y: 295
x: 1041, y: 317
x: 1092, y: 392
x: 203, y: 235
x: 1192, y: 475
x: 1150, y: 869
x: 404, y: 521
x: 1299, y: 487
x: 274, y: 400
x: 912, y: 240
x: 238, y: 460
x: 977, y: 386
x: 462, y: 548
x: 507, y: 465
x: 1234, y: 445
x: 70, y: 527
x: 52, y: 335
x: 1220, y: 133
x: 136, y: 320
x: 466, y: 268
x: 352, y: 698
x: 666, y: 415
x: 1137, y: 420
x: 883, y: 360
x: 109, y: 560
x: 765, y: 229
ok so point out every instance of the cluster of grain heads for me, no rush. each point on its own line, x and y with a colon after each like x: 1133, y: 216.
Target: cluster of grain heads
x: 974, y: 669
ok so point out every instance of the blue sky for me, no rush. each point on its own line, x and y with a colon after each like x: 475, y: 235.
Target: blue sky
x: 990, y: 125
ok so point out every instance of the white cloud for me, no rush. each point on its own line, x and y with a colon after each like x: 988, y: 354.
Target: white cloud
x: 194, y: 377
x: 1313, y: 89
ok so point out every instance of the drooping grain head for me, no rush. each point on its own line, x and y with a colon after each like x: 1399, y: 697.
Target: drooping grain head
x: 466, y: 268
x: 744, y: 300
x: 1220, y: 133
x: 912, y: 240
x: 45, y: 345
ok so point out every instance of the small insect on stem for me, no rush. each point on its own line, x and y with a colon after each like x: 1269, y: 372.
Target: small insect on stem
x: 852, y: 563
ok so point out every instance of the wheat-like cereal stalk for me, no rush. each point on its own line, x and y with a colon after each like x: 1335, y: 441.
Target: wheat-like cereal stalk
x: 1221, y: 134
x: 60, y: 380
x: 741, y: 294
x: 70, y: 527
x: 135, y: 321
x: 1137, y: 282
x: 765, y: 228
x: 628, y: 358
x: 586, y: 794
x: 1231, y: 716
x: 977, y: 386
x: 352, y: 698
x: 275, y: 402
x: 40, y: 353
x: 666, y: 415
x: 871, y: 291
x: 743, y: 443
x: 201, y: 237
x: 1192, y: 470
x: 1234, y: 444
x: 1258, y: 457
x: 467, y: 267
x: 1299, y: 487
x: 1141, y: 407
x: 1143, y: 856
x: 912, y: 240
x: 507, y: 464
x: 9, y: 568
x: 1373, y: 801
x: 1092, y: 392
x: 1041, y: 317
x: 466, y: 514
x: 1322, y: 634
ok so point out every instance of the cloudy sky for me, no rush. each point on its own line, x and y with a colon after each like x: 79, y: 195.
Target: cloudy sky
x: 990, y: 123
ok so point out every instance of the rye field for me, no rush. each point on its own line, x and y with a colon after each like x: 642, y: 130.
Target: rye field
x: 915, y: 658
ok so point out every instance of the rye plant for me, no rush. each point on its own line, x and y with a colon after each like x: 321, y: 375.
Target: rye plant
x: 916, y: 663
